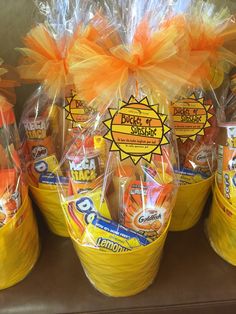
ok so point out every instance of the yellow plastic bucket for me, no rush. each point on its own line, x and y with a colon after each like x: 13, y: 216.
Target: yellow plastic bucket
x: 190, y: 202
x: 19, y: 246
x: 48, y: 201
x: 125, y: 273
x: 221, y: 227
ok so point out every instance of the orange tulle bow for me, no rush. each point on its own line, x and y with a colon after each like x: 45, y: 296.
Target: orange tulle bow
x: 7, y: 84
x: 99, y: 30
x: 153, y: 60
x: 44, y: 61
x: 210, y: 40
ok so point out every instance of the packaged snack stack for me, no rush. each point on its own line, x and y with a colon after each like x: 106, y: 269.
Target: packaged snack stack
x: 208, y: 30
x: 121, y: 165
x: 19, y: 243
x: 221, y: 223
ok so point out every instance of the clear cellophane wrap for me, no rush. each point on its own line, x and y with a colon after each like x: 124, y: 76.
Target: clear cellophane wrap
x: 221, y: 223
x: 226, y: 142
x: 43, y: 125
x: 11, y: 191
x: 128, y: 64
x: 210, y: 31
x: 19, y: 244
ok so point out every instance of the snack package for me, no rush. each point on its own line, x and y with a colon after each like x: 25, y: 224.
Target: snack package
x: 107, y: 235
x: 226, y: 171
x: 226, y: 147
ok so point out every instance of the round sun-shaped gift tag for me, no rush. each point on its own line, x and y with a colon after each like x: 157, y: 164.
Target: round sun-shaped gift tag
x: 191, y: 117
x: 137, y: 130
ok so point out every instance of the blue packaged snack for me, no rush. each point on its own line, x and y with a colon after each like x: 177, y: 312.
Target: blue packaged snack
x: 110, y: 236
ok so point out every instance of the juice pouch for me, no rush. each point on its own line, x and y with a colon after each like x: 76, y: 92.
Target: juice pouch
x: 81, y: 210
x: 10, y: 198
x: 145, y: 208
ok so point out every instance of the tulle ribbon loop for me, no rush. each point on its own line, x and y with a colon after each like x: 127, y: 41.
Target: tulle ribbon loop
x: 44, y: 61
x: 211, y: 38
x: 153, y: 59
x: 7, y: 83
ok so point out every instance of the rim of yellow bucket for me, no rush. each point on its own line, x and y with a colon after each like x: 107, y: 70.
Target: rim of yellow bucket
x: 196, y: 184
x: 222, y: 199
x: 164, y: 233
x: 18, y: 213
x: 222, y: 212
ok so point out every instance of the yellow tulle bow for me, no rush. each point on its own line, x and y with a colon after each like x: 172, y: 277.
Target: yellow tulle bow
x: 153, y: 60
x: 44, y: 61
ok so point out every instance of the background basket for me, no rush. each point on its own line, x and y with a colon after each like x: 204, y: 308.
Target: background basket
x: 190, y: 202
x: 19, y: 246
x: 221, y: 227
x: 48, y: 202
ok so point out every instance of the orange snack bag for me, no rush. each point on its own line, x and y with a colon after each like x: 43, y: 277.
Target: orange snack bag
x: 144, y: 207
x: 10, y: 199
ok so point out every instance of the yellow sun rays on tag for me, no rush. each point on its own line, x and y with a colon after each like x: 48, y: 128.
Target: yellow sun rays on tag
x: 76, y: 110
x: 190, y: 117
x: 136, y: 130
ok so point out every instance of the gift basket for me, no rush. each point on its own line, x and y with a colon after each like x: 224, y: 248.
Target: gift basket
x: 208, y: 30
x: 45, y: 126
x: 19, y: 242
x: 120, y: 164
x: 221, y: 223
